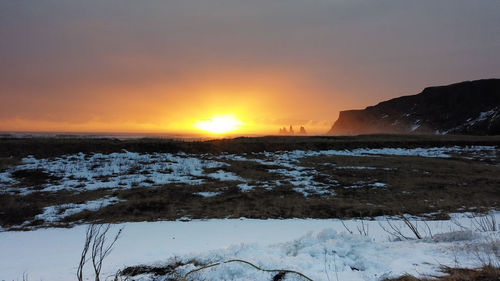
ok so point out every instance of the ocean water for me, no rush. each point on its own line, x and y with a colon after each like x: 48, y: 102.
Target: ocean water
x: 121, y: 136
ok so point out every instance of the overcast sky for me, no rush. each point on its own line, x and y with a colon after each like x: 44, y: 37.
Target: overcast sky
x: 158, y: 65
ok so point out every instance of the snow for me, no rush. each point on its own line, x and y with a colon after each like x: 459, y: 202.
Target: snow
x: 439, y: 152
x: 362, y: 168
x: 482, y: 116
x: 492, y: 114
x: 245, y: 187
x: 224, y: 176
x: 361, y: 184
x: 118, y: 170
x: 56, y: 213
x: 317, y: 248
x: 124, y: 170
x: 321, y: 249
x: 302, y: 178
x: 208, y: 194
x: 5, y: 178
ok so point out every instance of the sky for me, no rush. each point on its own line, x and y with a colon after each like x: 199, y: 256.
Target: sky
x: 166, y: 65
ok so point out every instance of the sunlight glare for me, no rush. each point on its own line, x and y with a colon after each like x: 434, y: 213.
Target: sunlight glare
x: 219, y: 124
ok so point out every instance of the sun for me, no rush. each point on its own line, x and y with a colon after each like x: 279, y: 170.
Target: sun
x: 219, y: 124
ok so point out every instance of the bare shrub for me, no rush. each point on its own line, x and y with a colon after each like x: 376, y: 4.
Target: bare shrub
x: 100, y: 248
x: 488, y: 252
x: 412, y: 227
x: 363, y: 229
x: 83, y: 257
x: 484, y: 223
x: 396, y: 230
x: 345, y: 226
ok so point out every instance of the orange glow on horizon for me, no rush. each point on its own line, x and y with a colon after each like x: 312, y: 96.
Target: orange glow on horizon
x: 259, y: 103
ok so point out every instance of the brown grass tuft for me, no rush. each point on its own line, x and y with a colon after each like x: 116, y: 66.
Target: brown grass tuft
x: 485, y: 273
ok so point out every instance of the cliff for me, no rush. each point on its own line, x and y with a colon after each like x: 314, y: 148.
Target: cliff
x: 471, y: 107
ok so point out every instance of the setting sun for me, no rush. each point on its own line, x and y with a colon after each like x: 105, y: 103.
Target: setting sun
x: 219, y: 124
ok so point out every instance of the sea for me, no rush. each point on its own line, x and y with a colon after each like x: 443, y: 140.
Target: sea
x: 121, y: 136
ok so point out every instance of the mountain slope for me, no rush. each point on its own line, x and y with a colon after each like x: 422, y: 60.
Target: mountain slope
x: 471, y: 107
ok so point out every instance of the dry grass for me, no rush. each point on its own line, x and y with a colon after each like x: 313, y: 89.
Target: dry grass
x: 52, y: 147
x: 416, y: 197
x: 7, y: 162
x: 34, y: 177
x: 249, y: 170
x: 169, y: 270
x: 415, y: 185
x: 485, y: 273
x: 16, y: 209
x: 172, y: 202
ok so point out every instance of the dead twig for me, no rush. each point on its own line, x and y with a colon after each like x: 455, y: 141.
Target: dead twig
x: 83, y: 258
x: 363, y: 230
x: 248, y: 263
x: 484, y: 223
x: 345, y: 226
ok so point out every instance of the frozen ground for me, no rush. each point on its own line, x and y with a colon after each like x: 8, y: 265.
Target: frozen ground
x: 82, y: 173
x: 320, y: 249
x: 126, y: 170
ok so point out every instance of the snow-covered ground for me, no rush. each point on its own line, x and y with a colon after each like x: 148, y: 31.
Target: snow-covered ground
x: 124, y: 170
x: 320, y: 249
x: 56, y: 213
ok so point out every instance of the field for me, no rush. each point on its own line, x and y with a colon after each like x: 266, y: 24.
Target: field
x: 60, y: 181
x: 363, y: 180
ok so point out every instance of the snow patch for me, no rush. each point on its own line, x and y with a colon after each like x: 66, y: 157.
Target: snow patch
x: 56, y: 213
x: 482, y: 116
x: 208, y: 194
x: 298, y: 244
x: 116, y: 170
x: 224, y: 176
x: 82, y: 172
x: 245, y: 187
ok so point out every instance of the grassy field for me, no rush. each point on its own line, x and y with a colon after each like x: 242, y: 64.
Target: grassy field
x: 52, y: 147
x: 352, y: 186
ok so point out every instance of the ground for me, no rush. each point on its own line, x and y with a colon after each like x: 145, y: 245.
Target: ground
x: 63, y: 182
x: 293, y: 244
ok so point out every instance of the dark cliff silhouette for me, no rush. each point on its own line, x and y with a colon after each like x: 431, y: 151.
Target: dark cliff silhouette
x: 302, y: 131
x: 291, y: 132
x: 471, y: 107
